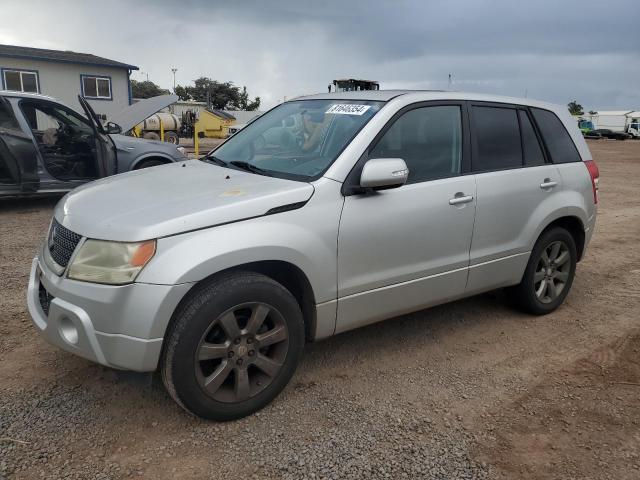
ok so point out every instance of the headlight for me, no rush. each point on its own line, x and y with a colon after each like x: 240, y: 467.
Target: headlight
x: 114, y: 263
x: 182, y: 151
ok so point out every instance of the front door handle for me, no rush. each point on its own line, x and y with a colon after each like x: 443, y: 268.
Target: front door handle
x: 548, y: 183
x: 460, y: 199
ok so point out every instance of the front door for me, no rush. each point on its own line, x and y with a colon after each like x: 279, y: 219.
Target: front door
x: 407, y: 248
x: 106, y: 159
x: 18, y: 155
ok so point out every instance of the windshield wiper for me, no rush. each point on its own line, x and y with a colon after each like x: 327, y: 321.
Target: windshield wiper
x: 214, y: 159
x: 249, y: 167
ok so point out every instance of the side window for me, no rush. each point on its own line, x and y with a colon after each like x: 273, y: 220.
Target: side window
x: 96, y: 87
x: 428, y: 139
x: 497, y: 137
x: 558, y: 141
x: 532, y: 151
x: 21, y: 80
x: 7, y: 118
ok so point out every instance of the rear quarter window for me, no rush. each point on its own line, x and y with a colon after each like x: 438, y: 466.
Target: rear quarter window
x: 555, y: 136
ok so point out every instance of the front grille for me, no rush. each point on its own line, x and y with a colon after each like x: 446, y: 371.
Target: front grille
x: 45, y: 299
x: 62, y: 242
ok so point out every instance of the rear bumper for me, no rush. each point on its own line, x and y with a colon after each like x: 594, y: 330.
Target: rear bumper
x: 117, y: 326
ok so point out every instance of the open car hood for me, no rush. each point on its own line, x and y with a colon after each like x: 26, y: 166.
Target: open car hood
x: 170, y: 199
x: 139, y: 111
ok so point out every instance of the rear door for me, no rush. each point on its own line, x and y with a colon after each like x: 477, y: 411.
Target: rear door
x: 106, y: 157
x: 515, y: 185
x: 18, y: 154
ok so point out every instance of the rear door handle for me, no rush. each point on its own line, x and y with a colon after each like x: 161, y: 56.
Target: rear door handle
x: 457, y: 200
x: 548, y: 183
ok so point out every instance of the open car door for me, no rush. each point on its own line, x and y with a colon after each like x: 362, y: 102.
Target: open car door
x: 106, y: 157
x: 18, y: 153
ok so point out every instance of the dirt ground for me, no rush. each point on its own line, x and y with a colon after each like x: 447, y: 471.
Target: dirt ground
x: 472, y: 389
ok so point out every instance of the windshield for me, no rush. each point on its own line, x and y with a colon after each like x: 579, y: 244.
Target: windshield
x: 298, y: 140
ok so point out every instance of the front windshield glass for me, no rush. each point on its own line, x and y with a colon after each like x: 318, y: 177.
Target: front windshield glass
x: 297, y: 140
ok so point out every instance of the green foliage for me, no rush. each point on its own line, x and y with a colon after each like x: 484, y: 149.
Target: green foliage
x: 146, y: 89
x: 592, y: 112
x: 221, y: 95
x: 575, y: 108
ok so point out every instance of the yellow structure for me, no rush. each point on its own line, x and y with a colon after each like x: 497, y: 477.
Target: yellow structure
x: 214, y: 123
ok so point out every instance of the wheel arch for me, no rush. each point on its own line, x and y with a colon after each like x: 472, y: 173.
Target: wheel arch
x: 287, y: 274
x: 574, y: 226
x: 151, y: 156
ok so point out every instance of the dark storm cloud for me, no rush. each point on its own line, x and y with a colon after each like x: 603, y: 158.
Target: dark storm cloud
x: 408, y: 28
x: 554, y: 50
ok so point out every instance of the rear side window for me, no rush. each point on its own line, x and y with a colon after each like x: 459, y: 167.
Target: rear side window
x: 497, y: 138
x: 531, y: 147
x: 555, y: 136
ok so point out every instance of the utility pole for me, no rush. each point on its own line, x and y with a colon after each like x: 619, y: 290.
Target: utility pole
x: 174, y: 70
x: 145, y: 73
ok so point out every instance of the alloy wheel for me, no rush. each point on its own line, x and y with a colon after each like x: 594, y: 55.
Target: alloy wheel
x: 242, y: 352
x: 552, y: 271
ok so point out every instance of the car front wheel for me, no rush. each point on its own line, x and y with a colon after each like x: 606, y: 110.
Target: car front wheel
x: 233, y: 346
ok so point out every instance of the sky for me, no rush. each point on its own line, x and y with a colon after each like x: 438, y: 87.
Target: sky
x: 558, y: 50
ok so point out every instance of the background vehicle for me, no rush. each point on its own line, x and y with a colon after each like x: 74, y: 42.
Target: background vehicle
x: 622, y: 121
x: 353, y: 85
x: 606, y: 133
x: 46, y: 147
x: 325, y: 214
x: 585, y: 126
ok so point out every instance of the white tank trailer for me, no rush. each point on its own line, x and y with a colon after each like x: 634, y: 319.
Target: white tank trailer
x: 150, y: 128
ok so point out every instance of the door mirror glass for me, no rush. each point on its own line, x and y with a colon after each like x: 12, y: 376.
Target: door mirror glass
x: 113, y: 128
x: 384, y: 173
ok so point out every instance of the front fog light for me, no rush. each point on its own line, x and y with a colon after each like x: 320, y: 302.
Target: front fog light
x: 114, y: 263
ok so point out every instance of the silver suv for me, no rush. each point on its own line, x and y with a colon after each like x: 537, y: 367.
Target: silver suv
x: 327, y: 213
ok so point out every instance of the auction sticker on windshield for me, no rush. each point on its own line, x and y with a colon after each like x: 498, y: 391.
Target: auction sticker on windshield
x: 348, y: 109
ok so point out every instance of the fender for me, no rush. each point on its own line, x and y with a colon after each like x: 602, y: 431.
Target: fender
x: 305, y: 237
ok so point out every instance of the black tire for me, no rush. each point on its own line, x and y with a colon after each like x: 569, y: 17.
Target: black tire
x: 150, y: 163
x: 171, y: 137
x: 204, y: 314
x: 151, y: 136
x: 525, y: 295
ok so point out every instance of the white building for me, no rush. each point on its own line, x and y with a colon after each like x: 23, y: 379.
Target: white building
x: 65, y: 75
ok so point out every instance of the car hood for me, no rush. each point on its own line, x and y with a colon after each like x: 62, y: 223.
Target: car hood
x: 171, y: 199
x: 139, y: 111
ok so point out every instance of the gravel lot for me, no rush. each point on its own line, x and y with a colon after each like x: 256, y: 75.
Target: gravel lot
x: 468, y: 390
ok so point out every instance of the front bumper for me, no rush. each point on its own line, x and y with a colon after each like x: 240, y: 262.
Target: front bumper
x: 117, y: 326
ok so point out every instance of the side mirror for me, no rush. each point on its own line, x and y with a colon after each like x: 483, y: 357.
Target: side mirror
x: 113, y: 128
x: 384, y: 173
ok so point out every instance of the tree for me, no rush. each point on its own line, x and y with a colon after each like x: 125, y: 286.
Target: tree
x: 592, y: 112
x: 220, y: 95
x: 146, y: 89
x: 575, y: 108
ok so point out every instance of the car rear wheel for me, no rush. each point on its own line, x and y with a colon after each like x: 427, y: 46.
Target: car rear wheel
x: 233, y: 346
x: 549, y: 273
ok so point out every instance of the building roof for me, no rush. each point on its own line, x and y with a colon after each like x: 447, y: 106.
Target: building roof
x: 66, y: 56
x: 221, y: 113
